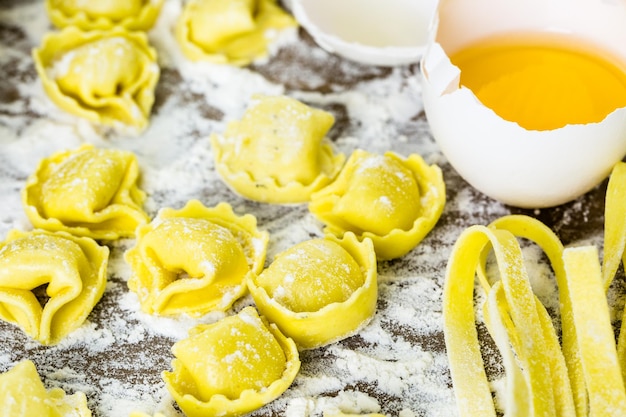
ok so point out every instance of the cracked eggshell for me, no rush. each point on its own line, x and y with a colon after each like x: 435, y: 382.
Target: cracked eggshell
x: 519, y: 167
x: 374, y: 32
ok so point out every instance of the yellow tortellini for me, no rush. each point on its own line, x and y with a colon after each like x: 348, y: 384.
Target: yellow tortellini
x: 194, y: 260
x: 276, y: 153
x: 317, y: 282
x: 105, y: 76
x: 89, y: 15
x: 87, y: 192
x: 230, y: 31
x: 231, y: 367
x: 391, y: 200
x: 23, y: 394
x: 50, y: 282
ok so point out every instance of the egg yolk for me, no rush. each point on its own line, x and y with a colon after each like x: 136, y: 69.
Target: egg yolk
x: 543, y: 81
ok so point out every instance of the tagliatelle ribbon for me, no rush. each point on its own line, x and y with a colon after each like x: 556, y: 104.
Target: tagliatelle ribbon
x: 543, y: 377
x: 615, y: 243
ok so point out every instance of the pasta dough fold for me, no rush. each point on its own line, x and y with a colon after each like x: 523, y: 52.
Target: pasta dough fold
x: 194, y: 260
x: 105, y: 76
x: 22, y: 394
x: 89, y: 15
x: 66, y: 274
x: 404, y: 200
x: 230, y: 31
x: 87, y: 192
x: 276, y: 153
x: 231, y: 367
x: 317, y: 282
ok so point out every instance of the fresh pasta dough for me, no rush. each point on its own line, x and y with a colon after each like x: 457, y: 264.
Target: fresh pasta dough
x: 404, y: 200
x: 105, y: 76
x: 23, y: 394
x: 194, y: 260
x: 229, y: 31
x: 276, y: 153
x: 316, y: 282
x: 88, y: 192
x: 89, y: 15
x: 50, y: 282
x: 232, y: 366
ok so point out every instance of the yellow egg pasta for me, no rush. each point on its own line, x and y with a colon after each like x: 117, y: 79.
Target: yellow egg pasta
x: 90, y: 15
x: 23, y: 394
x: 277, y: 153
x: 50, y: 282
x: 318, y: 281
x: 194, y: 260
x: 234, y: 32
x: 404, y: 200
x: 579, y: 377
x: 87, y: 192
x: 231, y: 367
x: 105, y: 76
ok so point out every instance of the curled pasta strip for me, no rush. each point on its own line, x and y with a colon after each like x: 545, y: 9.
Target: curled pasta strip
x: 22, y: 393
x: 89, y: 15
x: 615, y: 242
x: 543, y: 377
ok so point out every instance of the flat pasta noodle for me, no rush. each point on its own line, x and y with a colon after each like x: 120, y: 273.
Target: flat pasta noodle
x: 317, y: 281
x: 87, y: 192
x: 90, y: 15
x: 22, y: 393
x: 405, y: 198
x: 105, y: 76
x: 71, y: 270
x: 596, y: 340
x: 277, y: 152
x: 234, y: 32
x: 194, y: 260
x: 578, y: 376
x: 232, y: 366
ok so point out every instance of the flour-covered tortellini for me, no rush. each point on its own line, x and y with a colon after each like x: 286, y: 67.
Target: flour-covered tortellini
x: 230, y: 31
x: 87, y: 192
x: 50, y: 282
x: 194, y: 260
x: 389, y: 199
x: 317, y: 282
x: 277, y: 153
x: 231, y: 367
x: 105, y: 76
x: 88, y: 15
x: 23, y: 394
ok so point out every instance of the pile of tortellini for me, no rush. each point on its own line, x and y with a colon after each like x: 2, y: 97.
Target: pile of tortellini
x: 198, y: 259
x: 101, y: 67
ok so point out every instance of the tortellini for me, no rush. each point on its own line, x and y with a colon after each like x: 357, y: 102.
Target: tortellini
x: 317, y: 282
x: 276, y: 153
x: 50, y: 282
x: 391, y: 200
x: 231, y: 367
x: 105, y: 76
x: 230, y: 31
x: 194, y: 260
x: 23, y: 394
x: 88, y: 15
x: 87, y: 192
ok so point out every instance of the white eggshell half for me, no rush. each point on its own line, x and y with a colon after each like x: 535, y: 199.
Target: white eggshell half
x: 529, y: 169
x: 375, y: 32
